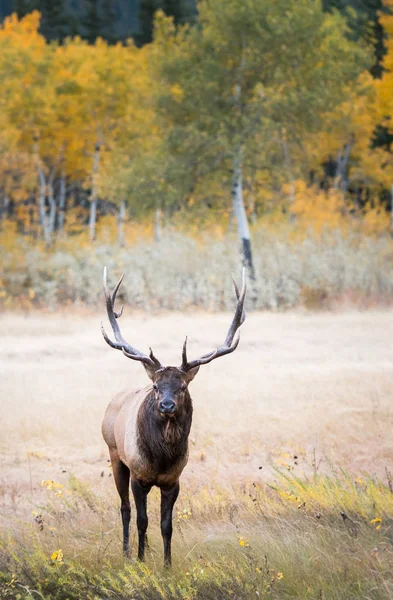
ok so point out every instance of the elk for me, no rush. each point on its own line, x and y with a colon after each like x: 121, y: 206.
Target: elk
x: 147, y: 430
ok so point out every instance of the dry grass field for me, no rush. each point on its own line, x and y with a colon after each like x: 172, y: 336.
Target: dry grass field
x: 288, y: 432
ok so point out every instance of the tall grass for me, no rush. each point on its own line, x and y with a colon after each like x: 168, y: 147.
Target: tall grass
x: 320, y: 538
x: 179, y: 272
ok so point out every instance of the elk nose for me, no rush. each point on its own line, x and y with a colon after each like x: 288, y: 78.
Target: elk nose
x: 167, y: 407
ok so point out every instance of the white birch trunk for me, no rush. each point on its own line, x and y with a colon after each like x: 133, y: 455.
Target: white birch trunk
x: 120, y: 223
x: 4, y: 208
x: 391, y: 211
x: 52, y: 209
x: 240, y: 214
x: 42, y: 197
x: 92, y: 219
x: 239, y: 211
x: 93, y: 195
x: 341, y: 179
x: 42, y: 208
x: 62, y: 203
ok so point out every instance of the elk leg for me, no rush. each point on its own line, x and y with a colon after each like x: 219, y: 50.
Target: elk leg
x: 140, y: 496
x: 121, y: 474
x: 168, y: 498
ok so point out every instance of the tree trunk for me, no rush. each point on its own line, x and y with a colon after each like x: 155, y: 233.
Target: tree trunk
x: 4, y: 208
x: 52, y: 209
x: 391, y: 211
x: 93, y: 195
x: 42, y: 208
x: 341, y: 179
x: 157, y: 224
x: 62, y: 203
x: 92, y: 219
x: 42, y: 197
x: 120, y: 223
x: 240, y: 215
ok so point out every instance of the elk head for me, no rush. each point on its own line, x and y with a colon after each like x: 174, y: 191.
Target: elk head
x: 170, y: 384
x: 170, y: 391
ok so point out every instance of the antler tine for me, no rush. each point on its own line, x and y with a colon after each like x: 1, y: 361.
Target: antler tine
x: 240, y: 315
x: 117, y: 314
x: 112, y: 315
x: 184, y: 354
x: 154, y: 359
x: 237, y: 290
x: 229, y: 345
x: 120, y: 343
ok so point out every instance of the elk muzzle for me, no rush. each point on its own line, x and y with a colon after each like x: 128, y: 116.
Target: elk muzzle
x: 167, y: 407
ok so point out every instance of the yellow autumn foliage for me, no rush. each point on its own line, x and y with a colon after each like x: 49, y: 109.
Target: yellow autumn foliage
x: 58, y: 102
x: 319, y: 210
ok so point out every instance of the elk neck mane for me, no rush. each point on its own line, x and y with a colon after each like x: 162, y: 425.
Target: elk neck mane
x: 163, y: 441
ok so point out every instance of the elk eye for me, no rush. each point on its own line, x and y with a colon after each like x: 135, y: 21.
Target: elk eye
x: 155, y: 387
x: 184, y: 387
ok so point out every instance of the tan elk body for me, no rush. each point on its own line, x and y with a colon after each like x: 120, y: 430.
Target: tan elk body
x: 147, y: 430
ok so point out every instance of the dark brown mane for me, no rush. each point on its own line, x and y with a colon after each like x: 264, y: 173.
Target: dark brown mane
x: 163, y: 442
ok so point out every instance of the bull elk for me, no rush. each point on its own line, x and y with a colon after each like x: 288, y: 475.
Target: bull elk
x: 147, y: 430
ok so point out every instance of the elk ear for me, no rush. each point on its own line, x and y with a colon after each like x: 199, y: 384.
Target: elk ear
x: 189, y: 376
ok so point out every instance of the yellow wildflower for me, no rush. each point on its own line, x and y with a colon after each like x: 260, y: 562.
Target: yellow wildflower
x: 58, y: 556
x: 49, y: 484
x: 377, y: 522
x: 244, y: 543
x: 185, y: 514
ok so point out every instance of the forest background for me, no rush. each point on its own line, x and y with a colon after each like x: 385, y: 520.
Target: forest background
x: 202, y: 137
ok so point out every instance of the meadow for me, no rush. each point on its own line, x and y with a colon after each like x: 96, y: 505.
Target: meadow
x: 288, y: 492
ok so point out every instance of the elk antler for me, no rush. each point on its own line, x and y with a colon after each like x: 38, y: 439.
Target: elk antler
x: 120, y: 343
x: 229, y: 345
